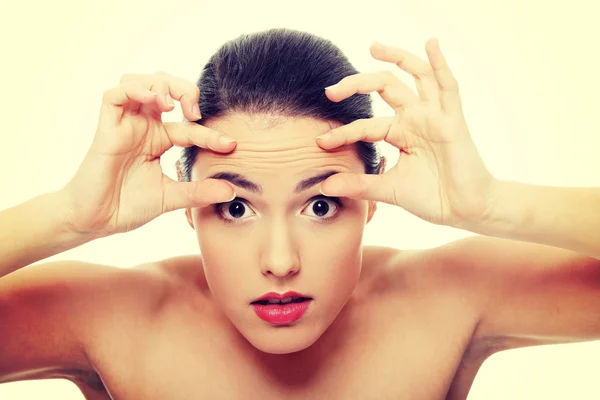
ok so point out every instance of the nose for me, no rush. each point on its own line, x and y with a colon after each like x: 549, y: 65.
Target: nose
x: 279, y: 256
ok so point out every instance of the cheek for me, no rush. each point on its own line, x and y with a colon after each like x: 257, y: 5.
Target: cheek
x: 224, y: 252
x: 336, y: 252
x: 345, y: 235
x: 331, y: 254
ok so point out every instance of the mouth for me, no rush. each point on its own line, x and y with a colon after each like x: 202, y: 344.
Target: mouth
x: 288, y: 300
x: 285, y: 298
x: 281, y: 309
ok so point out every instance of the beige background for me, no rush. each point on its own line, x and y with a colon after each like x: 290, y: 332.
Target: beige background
x: 528, y: 72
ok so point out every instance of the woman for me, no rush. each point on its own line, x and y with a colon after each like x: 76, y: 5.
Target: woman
x: 284, y: 300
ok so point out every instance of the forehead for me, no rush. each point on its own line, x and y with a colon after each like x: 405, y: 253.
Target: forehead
x: 281, y: 148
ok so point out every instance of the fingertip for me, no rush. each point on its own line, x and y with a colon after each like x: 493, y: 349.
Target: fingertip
x: 194, y: 111
x: 226, y: 144
x: 193, y: 118
x: 214, y: 191
x: 379, y: 50
x: 331, y: 187
x: 322, y: 191
x: 225, y: 198
x: 324, y: 142
x: 233, y: 196
x: 332, y: 93
x: 377, y: 45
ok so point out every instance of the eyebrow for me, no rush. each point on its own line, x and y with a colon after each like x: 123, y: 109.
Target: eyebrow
x: 240, y: 180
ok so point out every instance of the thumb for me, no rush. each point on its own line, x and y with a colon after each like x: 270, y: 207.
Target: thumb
x: 358, y: 186
x: 195, y: 194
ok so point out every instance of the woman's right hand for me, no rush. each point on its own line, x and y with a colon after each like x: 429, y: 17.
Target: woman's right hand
x: 120, y: 185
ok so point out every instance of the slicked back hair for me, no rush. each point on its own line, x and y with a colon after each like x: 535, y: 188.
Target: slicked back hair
x: 275, y: 74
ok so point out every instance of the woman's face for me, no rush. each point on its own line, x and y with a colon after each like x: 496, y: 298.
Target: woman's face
x: 279, y: 235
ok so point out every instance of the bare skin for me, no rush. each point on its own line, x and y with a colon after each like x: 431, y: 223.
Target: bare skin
x: 409, y: 330
x: 416, y: 324
x: 382, y: 345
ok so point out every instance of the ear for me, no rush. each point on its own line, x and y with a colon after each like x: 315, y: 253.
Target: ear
x: 188, y: 212
x: 373, y: 204
x: 188, y: 215
x: 372, y: 209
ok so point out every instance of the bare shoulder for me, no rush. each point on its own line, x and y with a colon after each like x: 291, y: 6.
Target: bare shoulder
x: 180, y: 269
x: 428, y: 278
x: 84, y: 286
x: 445, y: 266
x: 60, y: 312
x: 399, y: 269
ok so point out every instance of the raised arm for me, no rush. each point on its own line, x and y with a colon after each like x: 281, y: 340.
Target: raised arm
x: 440, y: 175
x: 35, y: 230
x: 50, y: 314
x: 538, y: 280
x: 568, y: 218
x: 54, y: 315
x: 526, y: 293
x: 120, y: 185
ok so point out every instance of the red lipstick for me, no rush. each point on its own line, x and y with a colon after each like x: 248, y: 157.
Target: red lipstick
x: 280, y: 309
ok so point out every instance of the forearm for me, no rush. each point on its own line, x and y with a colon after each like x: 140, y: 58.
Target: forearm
x: 563, y: 217
x: 35, y: 230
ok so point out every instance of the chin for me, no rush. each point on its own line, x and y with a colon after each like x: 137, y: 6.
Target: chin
x: 281, y: 346
x: 282, y: 339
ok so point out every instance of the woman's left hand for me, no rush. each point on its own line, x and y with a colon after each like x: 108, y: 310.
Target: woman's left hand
x: 440, y: 176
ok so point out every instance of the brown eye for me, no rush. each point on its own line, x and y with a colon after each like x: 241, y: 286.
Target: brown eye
x: 324, y: 208
x: 234, y: 211
x: 320, y: 208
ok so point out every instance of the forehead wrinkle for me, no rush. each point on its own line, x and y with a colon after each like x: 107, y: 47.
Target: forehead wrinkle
x: 293, y: 158
x: 283, y: 145
x: 312, y: 151
x: 291, y: 145
x: 276, y: 169
x: 242, y: 181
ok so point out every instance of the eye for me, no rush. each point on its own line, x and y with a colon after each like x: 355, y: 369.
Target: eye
x: 234, y: 211
x: 324, y: 208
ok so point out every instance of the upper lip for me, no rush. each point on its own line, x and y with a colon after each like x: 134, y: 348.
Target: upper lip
x: 278, y: 296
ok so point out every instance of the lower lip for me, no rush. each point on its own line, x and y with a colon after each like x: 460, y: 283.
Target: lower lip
x: 280, y: 314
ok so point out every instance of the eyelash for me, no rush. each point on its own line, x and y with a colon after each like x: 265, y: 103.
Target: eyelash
x: 219, y: 207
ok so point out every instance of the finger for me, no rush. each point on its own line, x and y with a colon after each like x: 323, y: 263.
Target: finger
x: 391, y: 89
x: 365, y: 130
x: 114, y: 100
x: 161, y: 87
x: 197, y: 194
x: 359, y: 187
x: 185, y: 134
x: 123, y: 94
x: 448, y: 86
x: 418, y: 68
x: 187, y: 93
x: 402, y: 58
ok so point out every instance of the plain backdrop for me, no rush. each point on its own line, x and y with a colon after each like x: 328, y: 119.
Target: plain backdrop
x: 528, y: 73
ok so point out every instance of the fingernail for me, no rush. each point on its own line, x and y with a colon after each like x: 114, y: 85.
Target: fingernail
x: 331, y: 87
x: 324, y: 136
x: 169, y: 101
x: 196, y: 111
x: 225, y: 140
x: 321, y: 190
x: 234, y: 196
